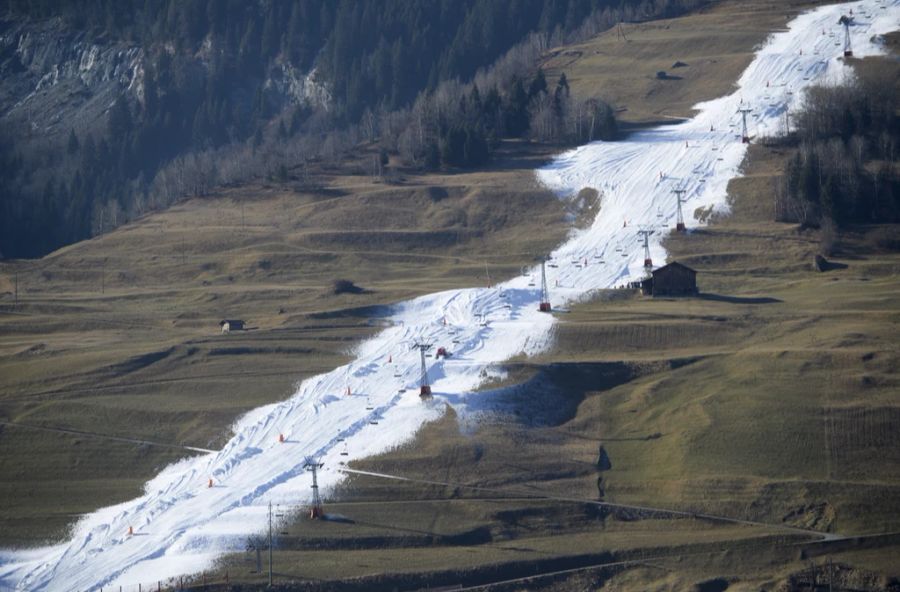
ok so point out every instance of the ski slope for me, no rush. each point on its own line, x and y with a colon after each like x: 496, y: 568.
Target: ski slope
x: 180, y: 525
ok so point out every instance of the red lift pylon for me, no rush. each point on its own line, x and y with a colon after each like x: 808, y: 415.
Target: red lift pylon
x: 544, y: 306
x: 846, y: 20
x: 745, y: 135
x: 424, y: 387
x: 648, y: 263
x: 679, y: 221
x: 315, y: 511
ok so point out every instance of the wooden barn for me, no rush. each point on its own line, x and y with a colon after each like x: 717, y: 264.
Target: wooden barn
x: 673, y: 279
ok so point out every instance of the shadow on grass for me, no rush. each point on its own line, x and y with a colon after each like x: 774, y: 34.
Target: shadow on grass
x: 647, y: 438
x: 832, y: 265
x: 738, y: 299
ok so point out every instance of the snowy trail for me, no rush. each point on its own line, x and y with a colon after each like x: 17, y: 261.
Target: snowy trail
x: 181, y: 525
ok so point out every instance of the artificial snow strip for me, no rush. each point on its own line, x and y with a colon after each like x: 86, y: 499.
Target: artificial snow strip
x: 183, y: 521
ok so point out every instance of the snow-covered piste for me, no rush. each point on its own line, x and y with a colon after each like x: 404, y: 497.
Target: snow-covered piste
x: 181, y: 524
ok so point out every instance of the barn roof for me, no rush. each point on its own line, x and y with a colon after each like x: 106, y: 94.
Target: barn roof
x: 674, y: 264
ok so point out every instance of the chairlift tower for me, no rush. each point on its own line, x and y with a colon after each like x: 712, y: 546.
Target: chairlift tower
x: 648, y: 263
x: 745, y: 135
x: 424, y: 387
x: 679, y: 222
x: 846, y: 20
x: 545, y: 293
x: 316, y: 511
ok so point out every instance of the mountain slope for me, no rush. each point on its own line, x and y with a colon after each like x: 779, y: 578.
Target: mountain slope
x: 107, y: 107
x: 489, y: 324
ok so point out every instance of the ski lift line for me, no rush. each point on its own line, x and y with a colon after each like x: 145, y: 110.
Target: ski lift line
x: 644, y: 560
x: 578, y: 500
x: 108, y: 437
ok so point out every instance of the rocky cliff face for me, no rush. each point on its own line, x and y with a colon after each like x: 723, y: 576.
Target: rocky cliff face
x: 178, y: 104
x: 285, y: 83
x: 55, y: 79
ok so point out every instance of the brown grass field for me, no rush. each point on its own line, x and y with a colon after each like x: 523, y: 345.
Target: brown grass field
x: 119, y: 335
x: 714, y: 44
x: 770, y: 398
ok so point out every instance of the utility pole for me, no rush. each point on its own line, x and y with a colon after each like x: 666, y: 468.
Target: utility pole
x: 679, y: 223
x: 270, y: 544
x: 183, y: 256
x: 103, y: 278
x: 745, y: 135
x: 16, y: 291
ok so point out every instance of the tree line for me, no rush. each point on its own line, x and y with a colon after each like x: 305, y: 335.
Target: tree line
x: 411, y: 74
x: 844, y: 168
x: 371, y: 52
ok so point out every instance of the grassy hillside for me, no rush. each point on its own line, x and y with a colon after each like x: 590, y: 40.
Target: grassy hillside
x: 119, y: 335
x: 769, y: 398
x: 712, y: 46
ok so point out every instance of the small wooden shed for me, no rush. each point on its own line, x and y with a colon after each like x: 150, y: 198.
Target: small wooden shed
x: 674, y: 279
x: 229, y: 325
